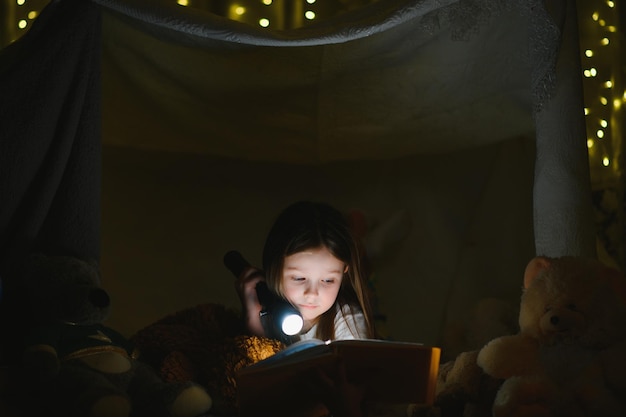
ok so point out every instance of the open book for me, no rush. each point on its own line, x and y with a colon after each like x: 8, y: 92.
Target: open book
x: 389, y: 372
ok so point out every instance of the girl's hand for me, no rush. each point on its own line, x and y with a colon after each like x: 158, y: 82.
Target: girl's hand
x: 245, y: 285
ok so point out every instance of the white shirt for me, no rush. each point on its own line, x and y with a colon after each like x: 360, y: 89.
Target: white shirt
x: 349, y: 325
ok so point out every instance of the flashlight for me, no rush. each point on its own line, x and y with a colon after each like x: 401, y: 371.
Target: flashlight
x: 279, y: 318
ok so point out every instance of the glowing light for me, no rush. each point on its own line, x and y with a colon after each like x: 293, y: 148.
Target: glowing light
x: 602, y: 22
x: 617, y: 104
x: 240, y: 10
x: 591, y: 72
x: 600, y: 133
x: 604, y: 101
x: 589, y: 143
x: 595, y: 16
x: 32, y: 14
x: 310, y: 1
x: 604, y: 41
x: 22, y: 24
x: 21, y: 2
x: 606, y: 161
x: 264, y: 22
x: 588, y: 53
x: 183, y: 2
x: 610, y: 3
x: 309, y: 14
x: 292, y: 324
x: 603, y: 123
x: 267, y: 2
x: 611, y: 28
x: 586, y: 110
x: 608, y: 84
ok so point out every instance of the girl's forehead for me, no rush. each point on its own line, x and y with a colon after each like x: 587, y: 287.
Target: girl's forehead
x: 319, y: 258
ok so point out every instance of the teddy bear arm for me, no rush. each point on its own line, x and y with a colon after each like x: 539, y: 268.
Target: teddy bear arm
x: 508, y: 356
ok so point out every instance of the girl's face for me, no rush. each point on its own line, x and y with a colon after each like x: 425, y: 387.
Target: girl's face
x: 311, y: 280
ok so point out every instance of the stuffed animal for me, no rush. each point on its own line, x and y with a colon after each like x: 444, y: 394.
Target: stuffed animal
x: 568, y: 357
x: 79, y: 367
x: 206, y: 344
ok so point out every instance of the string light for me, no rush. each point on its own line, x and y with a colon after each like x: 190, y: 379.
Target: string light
x: 264, y: 22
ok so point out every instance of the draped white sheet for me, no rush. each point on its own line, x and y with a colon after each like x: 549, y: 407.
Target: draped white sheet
x: 394, y: 84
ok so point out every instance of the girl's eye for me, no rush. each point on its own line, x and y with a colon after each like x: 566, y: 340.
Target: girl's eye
x: 328, y: 281
x: 297, y: 279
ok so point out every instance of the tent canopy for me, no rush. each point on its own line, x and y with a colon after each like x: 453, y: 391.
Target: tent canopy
x: 455, y: 126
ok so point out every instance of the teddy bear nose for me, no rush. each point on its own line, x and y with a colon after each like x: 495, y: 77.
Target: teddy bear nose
x: 99, y: 298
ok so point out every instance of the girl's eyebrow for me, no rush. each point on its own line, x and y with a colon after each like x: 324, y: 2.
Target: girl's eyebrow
x: 296, y: 269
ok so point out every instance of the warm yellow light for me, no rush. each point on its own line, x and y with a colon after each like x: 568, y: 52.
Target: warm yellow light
x: 309, y: 14
x: 21, y: 2
x: 600, y: 133
x: 310, y: 1
x: 267, y: 2
x: 611, y: 28
x: 604, y: 41
x: 22, y: 24
x: 588, y: 53
x: 608, y: 84
x: 606, y: 161
x: 589, y: 143
x: 586, y: 110
x: 604, y: 101
x: 595, y: 16
x: 591, y: 72
x: 32, y: 14
x: 264, y: 22
x: 602, y: 22
x: 240, y: 10
x: 617, y: 103
x: 603, y: 123
x: 183, y: 2
x: 610, y: 3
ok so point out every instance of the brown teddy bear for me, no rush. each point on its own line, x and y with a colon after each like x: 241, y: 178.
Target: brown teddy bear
x: 568, y: 357
x: 205, y: 344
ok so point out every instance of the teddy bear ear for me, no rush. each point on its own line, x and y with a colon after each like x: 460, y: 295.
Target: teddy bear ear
x: 534, y: 267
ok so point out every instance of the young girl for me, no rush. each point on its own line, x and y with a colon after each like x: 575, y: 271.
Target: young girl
x: 311, y: 259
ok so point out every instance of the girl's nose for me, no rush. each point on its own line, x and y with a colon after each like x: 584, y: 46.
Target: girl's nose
x: 311, y: 289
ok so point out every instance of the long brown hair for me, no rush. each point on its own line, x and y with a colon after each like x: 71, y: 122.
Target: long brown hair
x: 310, y: 225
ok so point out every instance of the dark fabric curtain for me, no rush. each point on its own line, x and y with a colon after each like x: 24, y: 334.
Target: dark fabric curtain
x: 50, y: 140
x: 50, y: 146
